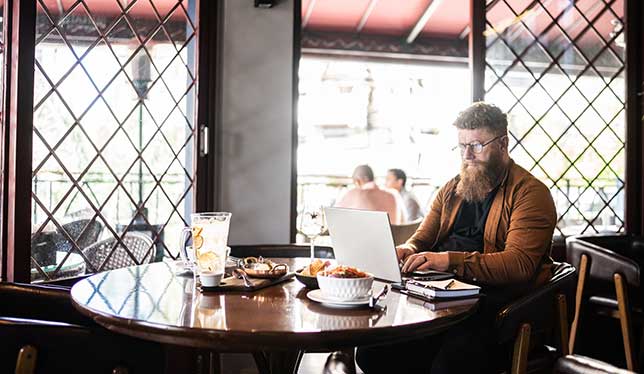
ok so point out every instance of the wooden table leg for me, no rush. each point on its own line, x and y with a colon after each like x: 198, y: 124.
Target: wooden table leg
x: 273, y: 362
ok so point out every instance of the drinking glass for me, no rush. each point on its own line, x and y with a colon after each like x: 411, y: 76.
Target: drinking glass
x: 312, y: 224
x: 209, y: 232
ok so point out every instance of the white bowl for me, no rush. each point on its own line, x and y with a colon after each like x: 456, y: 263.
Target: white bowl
x: 345, y: 288
x: 210, y: 279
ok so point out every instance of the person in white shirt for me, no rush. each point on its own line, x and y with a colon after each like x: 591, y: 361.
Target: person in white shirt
x: 397, y: 179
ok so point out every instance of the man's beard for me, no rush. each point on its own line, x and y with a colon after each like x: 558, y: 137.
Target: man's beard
x: 479, y: 178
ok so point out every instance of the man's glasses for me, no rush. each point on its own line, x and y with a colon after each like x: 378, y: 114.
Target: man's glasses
x: 476, y: 147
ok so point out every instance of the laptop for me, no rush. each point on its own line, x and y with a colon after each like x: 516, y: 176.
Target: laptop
x: 363, y: 238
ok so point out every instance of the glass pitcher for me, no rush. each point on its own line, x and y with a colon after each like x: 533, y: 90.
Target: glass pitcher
x: 209, y: 232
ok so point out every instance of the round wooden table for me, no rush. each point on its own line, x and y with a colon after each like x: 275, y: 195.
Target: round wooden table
x: 276, y: 323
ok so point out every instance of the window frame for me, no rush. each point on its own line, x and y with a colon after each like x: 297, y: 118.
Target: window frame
x: 20, y: 32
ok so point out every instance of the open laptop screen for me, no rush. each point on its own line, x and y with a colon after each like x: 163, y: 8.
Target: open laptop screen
x: 363, y: 239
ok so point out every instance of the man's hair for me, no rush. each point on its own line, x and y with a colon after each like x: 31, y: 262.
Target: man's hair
x: 399, y: 174
x: 363, y: 172
x: 483, y: 115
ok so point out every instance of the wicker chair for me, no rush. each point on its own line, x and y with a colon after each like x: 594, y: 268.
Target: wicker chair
x: 45, y: 244
x: 140, y: 245
x: 75, y: 230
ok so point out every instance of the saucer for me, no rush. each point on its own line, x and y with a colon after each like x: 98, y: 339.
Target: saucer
x: 316, y: 295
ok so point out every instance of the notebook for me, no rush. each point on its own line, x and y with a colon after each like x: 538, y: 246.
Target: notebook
x: 438, y: 304
x: 442, y: 289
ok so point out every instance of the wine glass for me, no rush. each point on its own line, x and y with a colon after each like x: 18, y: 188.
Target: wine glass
x: 312, y: 225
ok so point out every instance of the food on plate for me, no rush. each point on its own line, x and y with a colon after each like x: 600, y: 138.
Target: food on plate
x: 315, y: 267
x: 345, y: 272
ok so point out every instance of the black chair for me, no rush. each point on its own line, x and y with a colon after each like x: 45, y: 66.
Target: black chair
x: 531, y: 323
x: 280, y: 250
x: 575, y: 364
x: 56, y: 347
x: 84, y: 232
x: 107, y: 255
x: 41, y: 332
x: 608, y: 283
x: 46, y: 244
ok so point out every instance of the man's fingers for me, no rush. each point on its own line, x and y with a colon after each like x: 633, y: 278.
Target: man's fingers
x: 403, y: 253
x: 425, y: 265
x: 408, y: 262
x: 413, y: 262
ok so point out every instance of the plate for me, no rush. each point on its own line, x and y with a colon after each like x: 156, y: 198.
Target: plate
x: 307, y: 280
x: 316, y: 295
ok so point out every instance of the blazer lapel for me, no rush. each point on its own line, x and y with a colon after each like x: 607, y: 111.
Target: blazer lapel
x: 493, y: 217
x: 451, y: 208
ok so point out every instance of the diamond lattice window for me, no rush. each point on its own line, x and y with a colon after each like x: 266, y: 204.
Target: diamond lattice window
x: 557, y: 68
x: 114, y: 105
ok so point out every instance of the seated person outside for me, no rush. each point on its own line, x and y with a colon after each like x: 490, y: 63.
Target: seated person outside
x: 491, y: 225
x: 367, y: 195
x: 397, y: 179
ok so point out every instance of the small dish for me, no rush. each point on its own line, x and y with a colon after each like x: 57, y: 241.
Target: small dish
x: 263, y: 268
x: 210, y: 279
x: 316, y: 295
x: 276, y: 271
x: 307, y: 280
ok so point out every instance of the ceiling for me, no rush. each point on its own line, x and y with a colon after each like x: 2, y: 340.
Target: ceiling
x: 447, y: 18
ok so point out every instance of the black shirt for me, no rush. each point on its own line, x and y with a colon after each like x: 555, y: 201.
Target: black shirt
x: 469, y: 226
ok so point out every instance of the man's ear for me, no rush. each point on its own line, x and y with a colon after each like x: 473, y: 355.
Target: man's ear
x: 505, y: 142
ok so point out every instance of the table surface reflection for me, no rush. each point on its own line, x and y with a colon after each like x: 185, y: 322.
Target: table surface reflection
x: 151, y: 302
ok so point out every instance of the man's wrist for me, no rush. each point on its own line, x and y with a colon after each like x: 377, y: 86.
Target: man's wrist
x: 411, y: 247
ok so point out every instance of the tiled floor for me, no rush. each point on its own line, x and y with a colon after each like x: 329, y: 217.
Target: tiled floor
x: 312, y: 363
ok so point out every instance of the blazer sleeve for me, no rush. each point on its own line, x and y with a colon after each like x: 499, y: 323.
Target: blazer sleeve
x: 529, y: 237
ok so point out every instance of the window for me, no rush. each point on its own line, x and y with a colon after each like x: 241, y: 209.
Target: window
x: 386, y: 114
x: 557, y: 68
x: 113, y: 137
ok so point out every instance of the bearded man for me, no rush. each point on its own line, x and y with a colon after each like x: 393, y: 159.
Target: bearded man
x: 491, y: 225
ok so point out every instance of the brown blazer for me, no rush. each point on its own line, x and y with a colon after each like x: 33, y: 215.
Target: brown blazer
x: 517, y: 238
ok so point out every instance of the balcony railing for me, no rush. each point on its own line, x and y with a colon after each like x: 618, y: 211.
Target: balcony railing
x: 578, y: 211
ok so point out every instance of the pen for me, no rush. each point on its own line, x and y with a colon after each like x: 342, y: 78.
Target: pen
x: 450, y: 284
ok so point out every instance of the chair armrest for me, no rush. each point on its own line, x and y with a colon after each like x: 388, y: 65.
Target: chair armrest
x: 534, y: 307
x: 576, y: 364
x: 40, y: 302
x: 67, y: 348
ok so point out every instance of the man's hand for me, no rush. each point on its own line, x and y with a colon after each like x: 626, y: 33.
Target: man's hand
x: 403, y: 251
x: 426, y: 260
